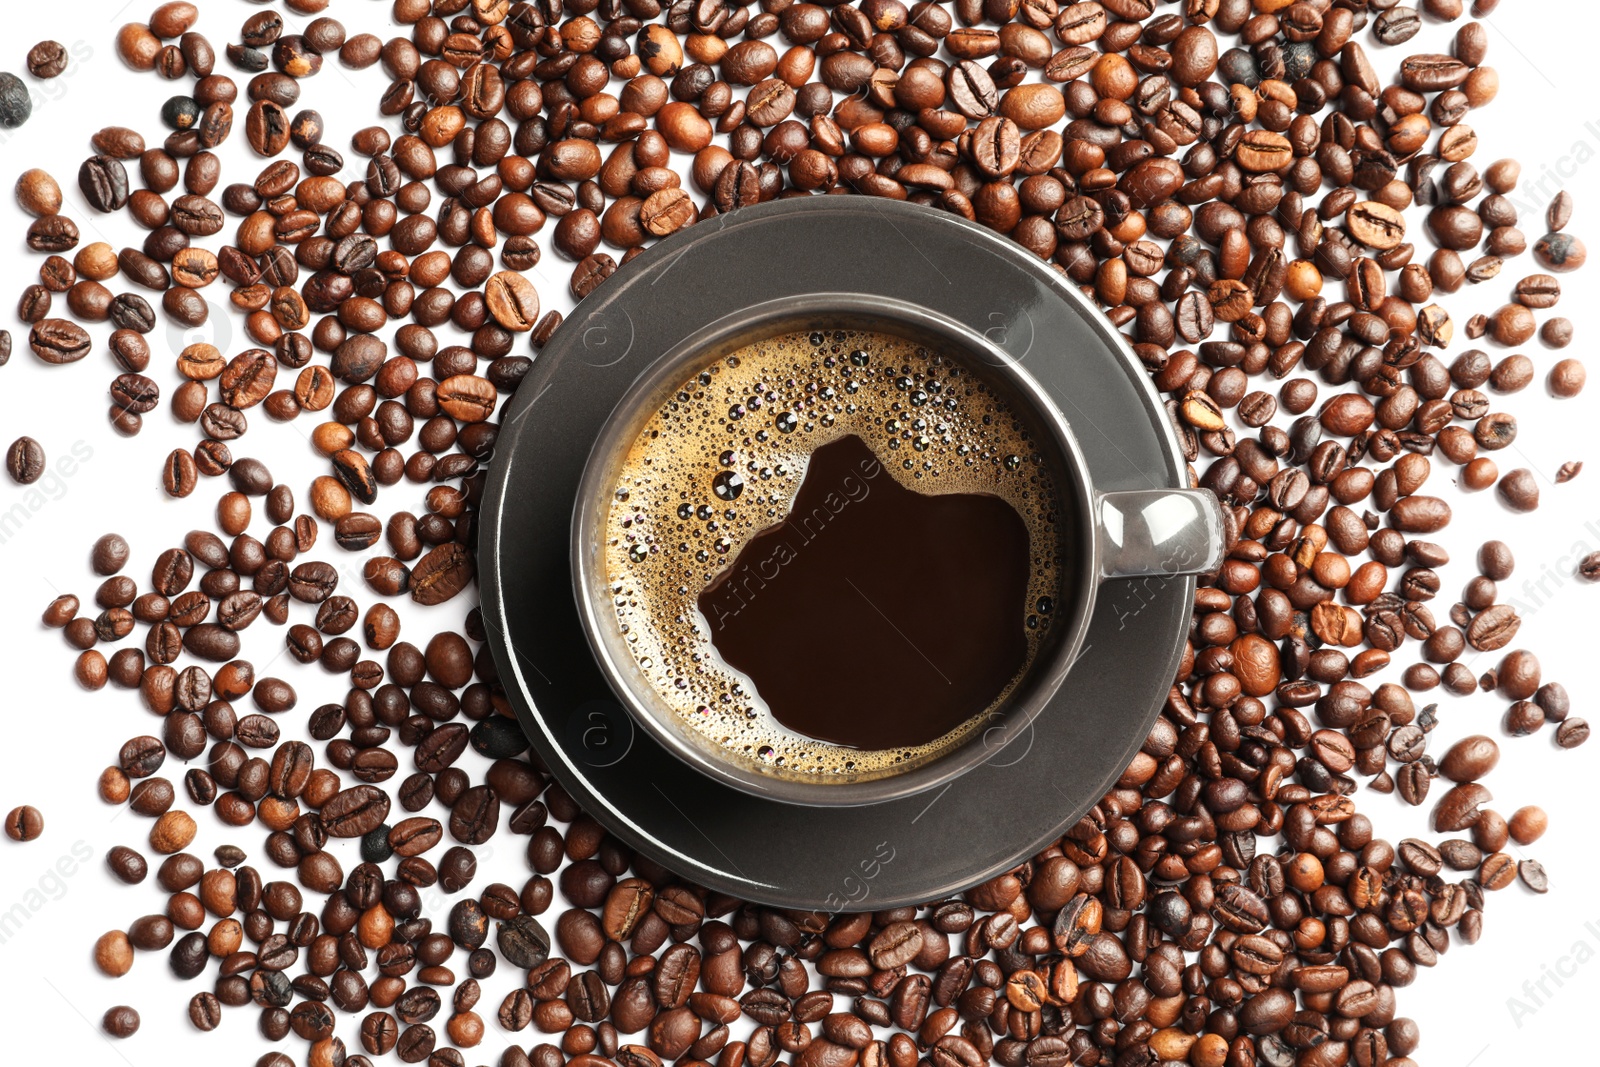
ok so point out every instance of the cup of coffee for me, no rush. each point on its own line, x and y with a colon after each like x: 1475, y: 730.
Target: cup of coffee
x: 836, y: 550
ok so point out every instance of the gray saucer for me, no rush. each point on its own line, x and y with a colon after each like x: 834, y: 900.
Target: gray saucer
x: 919, y: 848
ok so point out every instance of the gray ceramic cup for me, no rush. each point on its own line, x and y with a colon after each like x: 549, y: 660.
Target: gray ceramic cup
x: 1160, y: 532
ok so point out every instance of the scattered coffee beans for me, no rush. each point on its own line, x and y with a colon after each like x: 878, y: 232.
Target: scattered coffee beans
x: 1238, y: 188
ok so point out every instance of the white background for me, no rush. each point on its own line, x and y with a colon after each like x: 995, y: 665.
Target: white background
x: 1482, y: 1004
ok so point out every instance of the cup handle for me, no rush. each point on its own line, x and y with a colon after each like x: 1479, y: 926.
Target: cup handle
x: 1151, y: 532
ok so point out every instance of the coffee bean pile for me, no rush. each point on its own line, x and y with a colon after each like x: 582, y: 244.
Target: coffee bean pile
x: 1203, y: 169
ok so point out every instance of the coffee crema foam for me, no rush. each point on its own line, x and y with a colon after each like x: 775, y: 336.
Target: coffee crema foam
x: 721, y: 461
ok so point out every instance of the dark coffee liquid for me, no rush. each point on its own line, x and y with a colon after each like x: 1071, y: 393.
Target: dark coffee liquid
x: 874, y: 616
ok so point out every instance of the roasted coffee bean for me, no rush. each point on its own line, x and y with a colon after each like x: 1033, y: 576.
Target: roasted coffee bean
x: 313, y: 582
x: 523, y: 941
x: 38, y: 193
x: 355, y: 811
x: 353, y: 470
x: 135, y: 393
x: 266, y: 127
x: 151, y: 933
x: 104, y: 183
x: 58, y: 341
x: 1519, y: 490
x: 24, y: 823
x: 16, y: 104
x: 25, y: 461
x: 441, y: 574
x: 48, y: 59
x: 512, y: 301
x: 121, y: 1021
